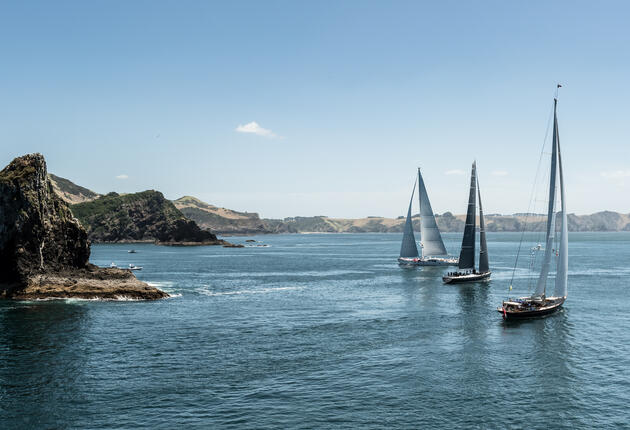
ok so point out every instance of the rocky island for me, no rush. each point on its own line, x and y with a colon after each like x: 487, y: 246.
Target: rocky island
x: 44, y: 250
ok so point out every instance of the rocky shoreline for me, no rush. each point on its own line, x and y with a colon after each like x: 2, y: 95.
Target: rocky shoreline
x: 211, y: 243
x: 90, y: 283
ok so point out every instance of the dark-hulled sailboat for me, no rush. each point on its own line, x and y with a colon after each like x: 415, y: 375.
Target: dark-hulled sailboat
x: 433, y: 251
x: 538, y: 304
x: 466, y: 268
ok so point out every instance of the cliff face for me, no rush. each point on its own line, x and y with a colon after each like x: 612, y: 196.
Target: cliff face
x: 220, y: 220
x: 140, y: 217
x: 44, y: 251
x: 37, y: 230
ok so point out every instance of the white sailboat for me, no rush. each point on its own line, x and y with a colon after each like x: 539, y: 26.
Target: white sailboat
x: 433, y: 252
x: 539, y: 304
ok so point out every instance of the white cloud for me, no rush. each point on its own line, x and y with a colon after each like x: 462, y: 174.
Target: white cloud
x: 455, y: 172
x: 123, y: 176
x: 254, y: 128
x: 616, y: 174
x: 499, y: 172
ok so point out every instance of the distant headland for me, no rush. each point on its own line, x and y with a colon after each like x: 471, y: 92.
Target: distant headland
x: 227, y: 222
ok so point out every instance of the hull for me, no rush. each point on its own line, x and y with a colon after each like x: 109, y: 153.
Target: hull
x: 514, y: 313
x: 470, y: 277
x: 428, y: 261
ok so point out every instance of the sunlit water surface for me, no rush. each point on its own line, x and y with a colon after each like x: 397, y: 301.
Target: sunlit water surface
x: 322, y: 331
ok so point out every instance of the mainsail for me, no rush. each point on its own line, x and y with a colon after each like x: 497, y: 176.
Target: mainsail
x: 551, y: 214
x: 484, y: 265
x: 408, y: 247
x: 563, y: 253
x: 467, y: 254
x: 430, y: 236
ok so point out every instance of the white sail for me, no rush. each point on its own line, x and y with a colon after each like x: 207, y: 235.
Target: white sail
x: 560, y: 289
x: 551, y: 214
x: 430, y: 237
x: 484, y: 264
x: 408, y: 248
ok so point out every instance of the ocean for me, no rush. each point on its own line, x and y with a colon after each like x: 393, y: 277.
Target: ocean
x: 323, y: 331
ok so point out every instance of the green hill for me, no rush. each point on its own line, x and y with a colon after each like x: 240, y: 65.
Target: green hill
x: 139, y: 217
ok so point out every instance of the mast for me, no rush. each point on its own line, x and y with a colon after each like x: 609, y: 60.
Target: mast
x: 430, y: 236
x: 467, y: 254
x: 408, y: 247
x: 563, y: 261
x: 551, y: 216
x: 484, y: 265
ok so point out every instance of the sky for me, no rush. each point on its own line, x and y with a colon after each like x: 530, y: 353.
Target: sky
x: 320, y: 108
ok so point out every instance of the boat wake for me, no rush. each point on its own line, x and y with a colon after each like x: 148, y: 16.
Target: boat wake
x: 242, y: 292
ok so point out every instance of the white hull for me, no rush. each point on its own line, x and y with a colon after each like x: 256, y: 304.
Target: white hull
x: 428, y: 261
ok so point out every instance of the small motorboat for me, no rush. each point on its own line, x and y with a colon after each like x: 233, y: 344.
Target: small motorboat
x: 132, y: 251
x: 133, y: 267
x: 113, y: 265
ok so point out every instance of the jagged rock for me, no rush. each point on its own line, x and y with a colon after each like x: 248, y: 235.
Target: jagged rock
x: 233, y: 245
x: 44, y: 251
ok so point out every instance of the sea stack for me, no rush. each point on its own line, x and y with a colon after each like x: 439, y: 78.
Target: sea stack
x: 44, y: 250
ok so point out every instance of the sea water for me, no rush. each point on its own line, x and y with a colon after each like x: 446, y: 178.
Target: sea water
x: 323, y: 331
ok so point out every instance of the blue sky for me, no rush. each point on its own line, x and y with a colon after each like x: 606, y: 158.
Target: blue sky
x: 347, y: 99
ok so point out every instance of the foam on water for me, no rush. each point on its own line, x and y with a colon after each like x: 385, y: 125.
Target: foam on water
x: 211, y: 293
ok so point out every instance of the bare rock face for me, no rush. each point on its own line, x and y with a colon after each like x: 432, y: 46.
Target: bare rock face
x: 40, y: 240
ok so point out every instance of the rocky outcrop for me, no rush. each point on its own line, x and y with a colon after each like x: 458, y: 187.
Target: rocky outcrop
x: 44, y: 251
x: 140, y: 217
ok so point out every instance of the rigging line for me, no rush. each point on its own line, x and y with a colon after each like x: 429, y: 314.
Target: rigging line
x: 531, y: 198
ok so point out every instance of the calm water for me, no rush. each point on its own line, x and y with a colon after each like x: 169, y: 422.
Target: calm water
x: 322, y: 331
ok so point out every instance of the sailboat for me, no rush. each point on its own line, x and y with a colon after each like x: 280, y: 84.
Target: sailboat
x: 466, y: 268
x: 433, y: 251
x: 538, y: 304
